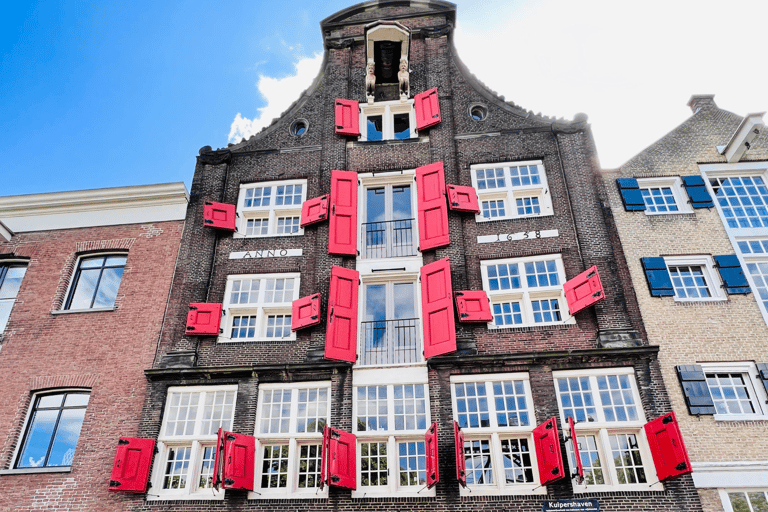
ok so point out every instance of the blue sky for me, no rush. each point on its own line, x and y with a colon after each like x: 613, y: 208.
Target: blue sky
x: 102, y: 94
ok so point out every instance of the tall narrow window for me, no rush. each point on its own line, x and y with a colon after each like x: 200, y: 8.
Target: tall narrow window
x: 387, y: 231
x: 10, y: 281
x: 53, y: 429
x: 96, y: 282
x: 390, y: 325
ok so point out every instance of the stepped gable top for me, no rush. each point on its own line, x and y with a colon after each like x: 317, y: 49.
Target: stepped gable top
x: 374, y: 10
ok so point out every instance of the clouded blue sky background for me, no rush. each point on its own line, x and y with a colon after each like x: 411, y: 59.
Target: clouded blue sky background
x: 99, y: 94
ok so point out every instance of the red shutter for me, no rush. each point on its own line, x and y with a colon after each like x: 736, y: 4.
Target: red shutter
x: 667, y: 447
x: 342, y: 468
x: 314, y: 210
x: 584, y: 290
x: 433, y: 467
x: 463, y: 199
x: 342, y: 238
x: 427, y: 109
x: 437, y: 309
x: 347, y: 118
x: 433, y: 211
x: 305, y: 312
x: 325, y: 453
x: 239, y: 461
x: 218, y: 462
x: 579, y: 469
x: 461, y: 462
x: 219, y: 216
x: 548, y: 454
x: 203, y: 318
x: 341, y: 330
x: 473, y: 306
x: 133, y: 461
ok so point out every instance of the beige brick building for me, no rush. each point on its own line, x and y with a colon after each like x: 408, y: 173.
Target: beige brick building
x: 691, y: 211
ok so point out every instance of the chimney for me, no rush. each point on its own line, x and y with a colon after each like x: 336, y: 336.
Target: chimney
x: 699, y: 101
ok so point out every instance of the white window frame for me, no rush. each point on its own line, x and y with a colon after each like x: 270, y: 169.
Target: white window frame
x: 726, y: 500
x: 752, y: 383
x: 602, y: 429
x: 9, y: 301
x: 387, y: 111
x: 197, y: 440
x: 509, y: 193
x: 292, y: 438
x: 262, y: 310
x: 416, y: 376
x: 757, y: 258
x: 710, y: 274
x: 272, y: 212
x: 498, y: 433
x: 526, y: 295
x: 675, y: 184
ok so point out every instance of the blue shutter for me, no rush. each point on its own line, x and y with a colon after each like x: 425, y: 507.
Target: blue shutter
x: 733, y: 277
x: 694, y: 384
x: 762, y: 373
x: 630, y: 194
x: 658, y: 278
x: 697, y: 191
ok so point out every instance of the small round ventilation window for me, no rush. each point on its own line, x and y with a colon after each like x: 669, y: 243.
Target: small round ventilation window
x: 299, y: 127
x: 478, y: 112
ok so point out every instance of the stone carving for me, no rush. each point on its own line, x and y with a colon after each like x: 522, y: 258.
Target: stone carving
x: 370, y: 81
x: 404, y: 78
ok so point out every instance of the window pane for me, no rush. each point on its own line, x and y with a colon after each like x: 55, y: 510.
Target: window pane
x: 730, y: 393
x: 107, y: 292
x: 274, y: 469
x: 206, y: 469
x: 518, y: 467
x: 67, y: 434
x: 689, y: 282
x: 373, y: 464
x: 576, y: 399
x: 413, y: 463
x: 374, y: 125
x: 275, y: 411
x: 626, y: 458
x: 590, y: 460
x: 511, y: 408
x: 218, y: 412
x: 9, y: 287
x: 616, y: 396
x: 479, y: 463
x: 472, y: 405
x: 372, y: 408
x: 182, y: 412
x: 177, y: 467
x: 85, y: 289
x: 38, y: 439
x: 312, y: 410
x: 401, y: 202
x: 402, y: 126
x: 309, y: 466
x: 410, y: 407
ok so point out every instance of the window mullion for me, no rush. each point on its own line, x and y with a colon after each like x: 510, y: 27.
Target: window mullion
x: 498, y: 461
x: 393, y: 478
x: 293, y: 455
x: 195, y: 462
x: 293, y: 422
x: 606, y: 456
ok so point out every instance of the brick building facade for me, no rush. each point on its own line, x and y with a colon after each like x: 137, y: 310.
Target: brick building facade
x: 84, y: 282
x: 416, y: 182
x: 690, y: 211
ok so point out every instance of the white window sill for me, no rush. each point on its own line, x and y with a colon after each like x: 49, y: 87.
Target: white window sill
x: 532, y: 489
x: 480, y: 219
x: 212, y: 495
x: 668, y: 213
x: 740, y: 417
x: 26, y: 471
x: 570, y: 321
x: 263, y: 494
x: 709, y: 299
x: 275, y: 235
x: 425, y: 493
x: 254, y: 340
x: 72, y: 311
x: 581, y: 489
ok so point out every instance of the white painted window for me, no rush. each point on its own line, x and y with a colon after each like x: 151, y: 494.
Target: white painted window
x: 664, y: 195
x: 754, y: 251
x: 511, y: 190
x: 11, y: 274
x: 742, y: 199
x: 270, y: 208
x: 744, y: 500
x: 184, y: 464
x: 495, y: 412
x: 387, y: 120
x: 733, y: 391
x: 387, y: 212
x: 694, y: 278
x: 606, y: 407
x: 526, y: 291
x: 289, y: 432
x: 258, y: 307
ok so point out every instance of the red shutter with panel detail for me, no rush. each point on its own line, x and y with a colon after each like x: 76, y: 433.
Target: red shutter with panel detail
x: 579, y: 469
x: 584, y: 290
x: 473, y: 306
x: 667, y: 448
x: 548, y: 454
x: 133, y: 461
x: 342, y: 237
x: 437, y: 309
x: 342, y: 468
x: 219, y: 216
x: 427, y: 107
x: 239, y: 461
x: 325, y: 457
x: 433, y: 467
x: 433, y: 211
x: 218, y: 462
x: 461, y: 462
x: 347, y: 117
x: 341, y: 330
x: 314, y: 210
x: 203, y: 318
x: 463, y: 199
x: 305, y: 312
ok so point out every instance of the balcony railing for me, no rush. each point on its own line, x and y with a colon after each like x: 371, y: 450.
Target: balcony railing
x: 388, y: 239
x: 390, y: 342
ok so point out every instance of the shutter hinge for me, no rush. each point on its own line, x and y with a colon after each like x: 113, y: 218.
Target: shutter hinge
x: 230, y: 437
x: 667, y: 419
x: 190, y: 327
x: 556, y: 471
x: 591, y: 274
x: 464, y: 315
x: 229, y: 481
x: 335, y: 478
x: 123, y: 441
x: 597, y: 293
x: 681, y: 466
x: 208, y: 221
x: 115, y: 483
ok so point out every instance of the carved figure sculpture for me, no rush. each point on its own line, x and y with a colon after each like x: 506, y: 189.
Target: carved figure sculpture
x: 404, y: 78
x: 370, y: 81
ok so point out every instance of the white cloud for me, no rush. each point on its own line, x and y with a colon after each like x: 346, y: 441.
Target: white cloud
x: 278, y: 95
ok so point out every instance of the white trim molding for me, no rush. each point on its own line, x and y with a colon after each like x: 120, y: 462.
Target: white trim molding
x: 737, y: 474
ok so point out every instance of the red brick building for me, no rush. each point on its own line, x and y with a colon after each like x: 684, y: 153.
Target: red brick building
x: 397, y: 297
x: 84, y: 283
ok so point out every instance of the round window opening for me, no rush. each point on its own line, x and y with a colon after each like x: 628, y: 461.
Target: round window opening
x: 478, y: 112
x: 299, y: 127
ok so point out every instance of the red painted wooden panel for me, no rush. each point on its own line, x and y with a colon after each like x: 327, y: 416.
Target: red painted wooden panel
x: 305, y: 312
x: 347, y: 117
x: 314, y: 210
x: 133, y: 461
x: 463, y: 199
x: 584, y: 290
x: 239, y: 461
x: 473, y: 306
x: 579, y: 468
x: 203, y: 318
x: 437, y: 309
x: 461, y: 462
x: 342, y: 238
x: 667, y: 447
x: 343, y: 459
x: 325, y: 455
x: 218, y: 462
x: 219, y: 216
x: 548, y: 452
x: 433, y: 463
x: 427, y: 107
x: 341, y: 330
x: 433, y: 210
